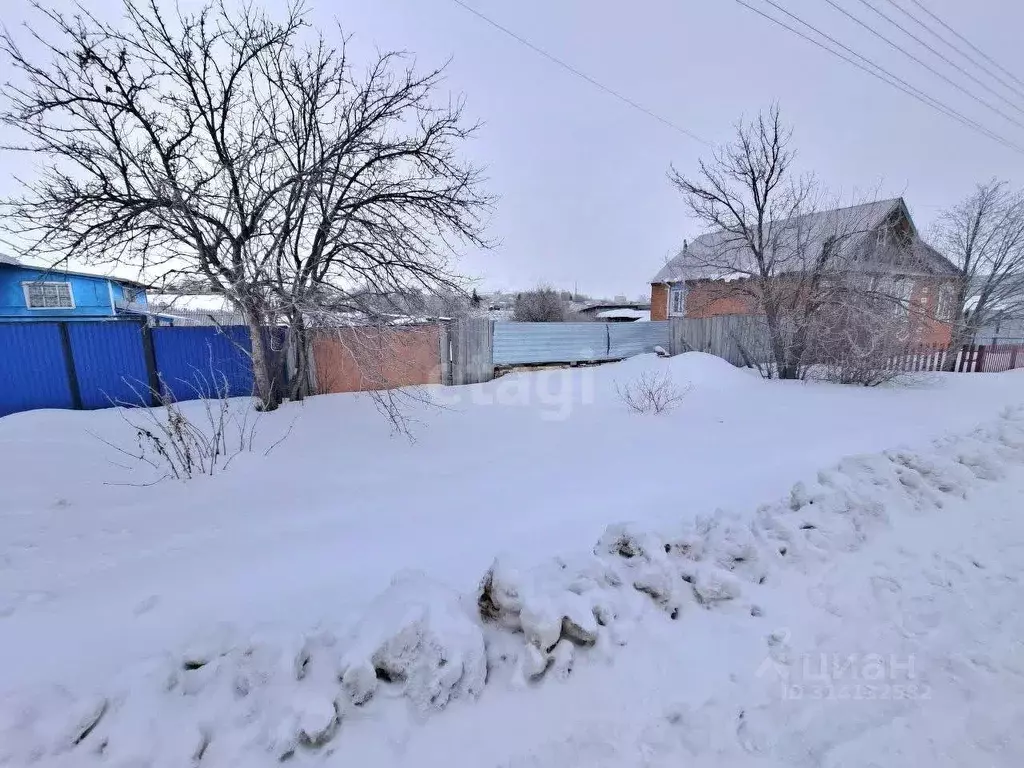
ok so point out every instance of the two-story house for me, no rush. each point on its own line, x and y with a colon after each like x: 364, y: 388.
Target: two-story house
x: 35, y: 294
x: 711, y: 275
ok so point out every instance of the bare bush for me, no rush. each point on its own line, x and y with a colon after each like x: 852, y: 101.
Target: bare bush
x: 543, y: 305
x: 201, y: 439
x: 651, y: 393
x: 855, y: 341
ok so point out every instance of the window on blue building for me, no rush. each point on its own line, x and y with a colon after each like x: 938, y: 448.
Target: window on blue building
x: 48, y: 295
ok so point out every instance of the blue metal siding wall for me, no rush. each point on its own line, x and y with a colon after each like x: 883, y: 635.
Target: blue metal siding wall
x: 32, y: 369
x: 536, y: 343
x: 110, y: 364
x: 91, y: 295
x: 204, y: 361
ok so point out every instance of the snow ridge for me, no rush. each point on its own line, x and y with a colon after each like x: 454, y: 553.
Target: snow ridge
x: 225, y: 702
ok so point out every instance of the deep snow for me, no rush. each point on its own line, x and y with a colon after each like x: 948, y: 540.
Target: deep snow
x: 106, y: 588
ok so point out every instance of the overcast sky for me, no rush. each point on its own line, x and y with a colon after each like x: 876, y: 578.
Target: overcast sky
x: 581, y: 177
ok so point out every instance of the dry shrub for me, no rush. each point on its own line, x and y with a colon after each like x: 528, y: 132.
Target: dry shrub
x: 651, y: 393
x: 200, y: 439
x: 855, y: 343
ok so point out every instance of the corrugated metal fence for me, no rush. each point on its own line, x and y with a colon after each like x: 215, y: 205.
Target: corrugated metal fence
x: 99, y: 364
x: 539, y: 343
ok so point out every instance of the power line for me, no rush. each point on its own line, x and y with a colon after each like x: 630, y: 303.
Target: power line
x: 941, y: 55
x: 976, y: 49
x: 895, y: 81
x: 569, y: 68
x: 886, y: 77
x: 924, y: 64
x: 995, y: 76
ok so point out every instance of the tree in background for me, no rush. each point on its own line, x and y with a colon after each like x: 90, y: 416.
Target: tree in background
x: 219, y: 144
x: 783, y: 244
x: 984, y: 238
x: 541, y: 305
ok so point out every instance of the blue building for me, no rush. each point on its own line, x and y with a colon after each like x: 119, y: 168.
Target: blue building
x: 35, y: 294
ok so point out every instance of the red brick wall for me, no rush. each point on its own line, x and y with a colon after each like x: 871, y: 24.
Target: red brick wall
x: 659, y: 301
x: 924, y: 300
x: 360, y: 359
x: 707, y: 299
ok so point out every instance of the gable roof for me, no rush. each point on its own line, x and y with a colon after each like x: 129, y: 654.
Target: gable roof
x: 707, y: 256
x: 10, y: 261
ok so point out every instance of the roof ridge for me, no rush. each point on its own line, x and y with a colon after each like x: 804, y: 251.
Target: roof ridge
x: 891, y: 201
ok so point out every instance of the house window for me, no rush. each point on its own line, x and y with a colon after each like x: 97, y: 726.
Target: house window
x: 677, y: 300
x: 897, y: 291
x: 947, y: 296
x: 903, y: 289
x: 131, y: 295
x: 48, y: 295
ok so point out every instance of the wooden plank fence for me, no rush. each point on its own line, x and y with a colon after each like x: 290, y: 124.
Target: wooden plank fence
x: 740, y: 339
x: 470, y: 351
x: 743, y: 340
x: 970, y: 358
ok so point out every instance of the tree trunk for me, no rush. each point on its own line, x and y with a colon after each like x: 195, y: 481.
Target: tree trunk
x: 778, y: 346
x: 266, y: 391
x: 299, y: 341
x: 960, y: 336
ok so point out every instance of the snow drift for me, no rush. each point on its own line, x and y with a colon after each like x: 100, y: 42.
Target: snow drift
x: 226, y: 702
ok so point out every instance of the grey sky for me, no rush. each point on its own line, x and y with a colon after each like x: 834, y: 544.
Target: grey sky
x: 582, y: 177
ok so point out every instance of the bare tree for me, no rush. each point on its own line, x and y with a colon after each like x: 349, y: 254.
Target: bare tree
x: 216, y: 145
x: 384, y: 194
x: 541, y: 305
x: 780, y: 242
x: 984, y: 238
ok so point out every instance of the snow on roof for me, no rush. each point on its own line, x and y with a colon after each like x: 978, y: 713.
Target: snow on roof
x: 625, y: 314
x: 199, y: 302
x: 722, y: 255
x: 63, y: 270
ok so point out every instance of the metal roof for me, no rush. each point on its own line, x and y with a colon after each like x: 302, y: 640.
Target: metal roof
x: 720, y: 254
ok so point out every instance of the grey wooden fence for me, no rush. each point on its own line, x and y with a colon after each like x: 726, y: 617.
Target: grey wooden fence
x: 470, y: 351
x: 740, y: 339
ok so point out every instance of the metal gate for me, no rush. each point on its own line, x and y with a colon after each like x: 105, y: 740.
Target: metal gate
x: 538, y: 343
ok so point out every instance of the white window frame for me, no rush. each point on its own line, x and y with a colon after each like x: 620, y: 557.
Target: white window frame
x: 28, y: 284
x: 677, y: 290
x: 944, y: 302
x: 903, y: 294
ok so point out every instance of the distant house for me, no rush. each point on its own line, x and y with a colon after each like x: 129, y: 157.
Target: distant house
x: 30, y: 294
x: 887, y: 247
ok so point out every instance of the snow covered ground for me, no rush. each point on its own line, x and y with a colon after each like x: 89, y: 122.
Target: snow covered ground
x: 257, y: 615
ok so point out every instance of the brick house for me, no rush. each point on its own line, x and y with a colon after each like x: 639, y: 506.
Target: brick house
x: 712, y: 275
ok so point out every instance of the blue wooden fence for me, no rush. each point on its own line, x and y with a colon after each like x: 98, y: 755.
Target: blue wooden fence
x: 100, y: 364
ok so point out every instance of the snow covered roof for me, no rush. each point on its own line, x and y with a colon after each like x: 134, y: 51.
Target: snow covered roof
x: 722, y: 255
x: 11, y: 261
x: 625, y: 314
x: 199, y: 302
